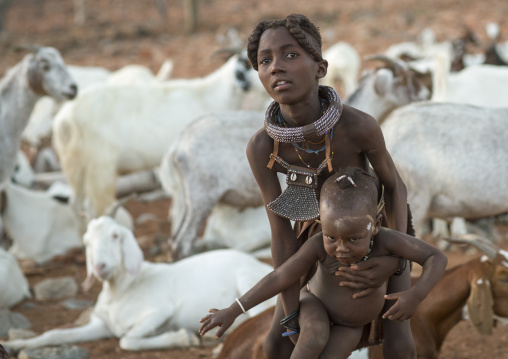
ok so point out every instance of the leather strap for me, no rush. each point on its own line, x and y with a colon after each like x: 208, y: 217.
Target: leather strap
x: 274, y: 154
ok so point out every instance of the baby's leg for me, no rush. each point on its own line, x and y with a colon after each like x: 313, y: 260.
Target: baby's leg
x: 342, y: 341
x: 314, y: 327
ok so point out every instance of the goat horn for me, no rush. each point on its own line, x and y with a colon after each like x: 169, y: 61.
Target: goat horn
x: 227, y: 50
x: 28, y: 47
x: 393, y: 64
x: 480, y: 243
x: 118, y: 204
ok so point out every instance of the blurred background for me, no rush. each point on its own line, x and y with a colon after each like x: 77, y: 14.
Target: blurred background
x: 115, y: 33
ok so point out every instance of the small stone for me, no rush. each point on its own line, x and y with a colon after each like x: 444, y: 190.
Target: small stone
x: 60, y: 352
x: 9, y: 320
x: 55, y: 288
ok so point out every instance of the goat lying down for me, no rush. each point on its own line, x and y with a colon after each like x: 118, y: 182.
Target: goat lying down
x: 44, y: 224
x: 481, y: 285
x: 12, y: 281
x: 152, y: 305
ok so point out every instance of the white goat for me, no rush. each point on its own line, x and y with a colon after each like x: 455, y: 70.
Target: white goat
x: 39, y: 74
x: 452, y: 158
x: 40, y: 123
x: 111, y: 130
x: 480, y: 85
x: 152, y: 305
x: 23, y: 171
x: 12, y: 281
x: 382, y: 90
x: 244, y: 229
x: 208, y: 165
x: 344, y: 64
x: 41, y: 117
x: 43, y: 224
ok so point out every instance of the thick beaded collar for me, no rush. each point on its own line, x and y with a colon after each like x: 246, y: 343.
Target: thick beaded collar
x: 316, y: 129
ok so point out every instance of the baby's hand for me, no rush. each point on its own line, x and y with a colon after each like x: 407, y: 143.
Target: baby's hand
x: 218, y: 318
x: 404, y: 308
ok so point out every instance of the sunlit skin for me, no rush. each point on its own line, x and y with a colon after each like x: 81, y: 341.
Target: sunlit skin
x: 345, y: 240
x: 291, y: 77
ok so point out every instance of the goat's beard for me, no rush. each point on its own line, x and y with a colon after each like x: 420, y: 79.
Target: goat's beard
x: 88, y: 282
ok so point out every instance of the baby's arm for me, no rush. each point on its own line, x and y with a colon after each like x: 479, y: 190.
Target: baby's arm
x: 433, y: 263
x: 273, y: 283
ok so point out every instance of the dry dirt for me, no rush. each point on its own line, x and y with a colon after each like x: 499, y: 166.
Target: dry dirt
x: 118, y: 33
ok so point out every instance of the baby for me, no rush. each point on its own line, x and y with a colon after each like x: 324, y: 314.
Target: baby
x: 351, y: 233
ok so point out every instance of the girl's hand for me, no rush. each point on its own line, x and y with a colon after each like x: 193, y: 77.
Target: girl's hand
x: 404, y: 308
x: 368, y: 275
x: 218, y: 318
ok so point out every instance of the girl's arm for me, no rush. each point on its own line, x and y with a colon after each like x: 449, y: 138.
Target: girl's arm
x: 371, y: 274
x: 395, y: 191
x: 433, y: 263
x: 270, y: 285
x: 284, y: 243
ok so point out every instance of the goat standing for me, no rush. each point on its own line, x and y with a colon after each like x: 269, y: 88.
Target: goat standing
x: 119, y: 129
x: 452, y: 158
x: 39, y: 74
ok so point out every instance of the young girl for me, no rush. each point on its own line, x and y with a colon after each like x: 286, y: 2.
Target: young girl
x: 352, y: 233
x: 307, y: 129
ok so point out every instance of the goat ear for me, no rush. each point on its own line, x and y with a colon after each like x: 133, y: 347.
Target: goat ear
x: 480, y: 305
x: 132, y: 254
x: 90, y: 279
x: 35, y: 80
x: 383, y: 82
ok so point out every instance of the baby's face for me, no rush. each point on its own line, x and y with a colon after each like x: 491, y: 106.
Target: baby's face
x: 347, y: 238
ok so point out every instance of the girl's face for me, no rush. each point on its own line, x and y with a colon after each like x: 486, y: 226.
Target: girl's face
x: 288, y: 72
x: 347, y: 238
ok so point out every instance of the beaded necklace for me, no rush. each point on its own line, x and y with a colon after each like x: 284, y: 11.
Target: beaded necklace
x: 283, y: 123
x: 309, y: 166
x: 316, y: 129
x: 299, y: 202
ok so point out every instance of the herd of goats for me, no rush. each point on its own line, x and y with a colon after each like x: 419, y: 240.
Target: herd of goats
x: 443, y: 114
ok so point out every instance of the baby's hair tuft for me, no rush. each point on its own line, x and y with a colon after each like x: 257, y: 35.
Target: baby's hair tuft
x: 349, y: 188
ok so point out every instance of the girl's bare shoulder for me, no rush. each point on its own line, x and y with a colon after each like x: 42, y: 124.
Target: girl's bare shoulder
x: 260, y: 146
x: 356, y: 120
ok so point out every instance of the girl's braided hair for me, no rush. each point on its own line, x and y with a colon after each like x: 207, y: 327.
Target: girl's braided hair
x: 302, y: 29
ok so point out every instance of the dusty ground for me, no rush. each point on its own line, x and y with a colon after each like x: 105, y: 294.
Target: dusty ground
x: 118, y: 33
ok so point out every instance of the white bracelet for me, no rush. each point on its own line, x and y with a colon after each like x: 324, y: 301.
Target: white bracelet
x: 241, y: 306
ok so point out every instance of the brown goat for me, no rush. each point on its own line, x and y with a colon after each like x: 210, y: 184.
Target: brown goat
x: 480, y: 284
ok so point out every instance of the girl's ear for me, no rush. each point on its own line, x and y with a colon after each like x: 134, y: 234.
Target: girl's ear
x: 322, y: 69
x: 377, y: 224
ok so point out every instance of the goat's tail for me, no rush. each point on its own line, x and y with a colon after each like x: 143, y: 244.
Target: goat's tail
x: 171, y: 179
